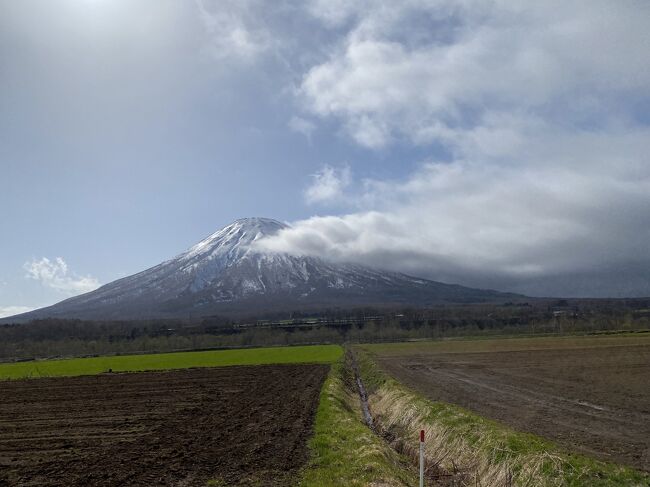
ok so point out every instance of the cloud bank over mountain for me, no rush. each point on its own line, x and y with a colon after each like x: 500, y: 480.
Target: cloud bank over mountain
x: 542, y: 111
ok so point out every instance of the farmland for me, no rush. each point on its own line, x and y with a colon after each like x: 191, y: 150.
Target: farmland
x: 588, y: 394
x: 229, y: 417
x: 234, y: 417
x: 230, y: 426
x: 166, y: 361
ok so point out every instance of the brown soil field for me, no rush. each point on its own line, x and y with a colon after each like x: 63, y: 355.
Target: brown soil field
x: 592, y: 400
x: 239, y: 425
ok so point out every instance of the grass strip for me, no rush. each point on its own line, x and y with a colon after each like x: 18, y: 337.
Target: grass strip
x: 344, y: 451
x: 168, y: 361
x: 479, y: 451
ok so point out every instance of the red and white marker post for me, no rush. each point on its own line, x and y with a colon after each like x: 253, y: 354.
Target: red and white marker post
x: 421, y: 458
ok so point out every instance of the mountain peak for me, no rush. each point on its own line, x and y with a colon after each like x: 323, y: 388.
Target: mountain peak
x: 264, y: 225
x: 235, y: 238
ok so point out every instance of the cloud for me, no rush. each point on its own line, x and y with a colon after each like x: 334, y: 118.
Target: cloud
x: 55, y: 275
x: 13, y: 310
x: 544, y: 184
x: 391, y: 79
x: 235, y: 30
x: 328, y: 185
x: 465, y: 218
x: 500, y: 226
x: 302, y: 126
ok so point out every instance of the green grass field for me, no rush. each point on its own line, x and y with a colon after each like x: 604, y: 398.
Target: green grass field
x: 505, y: 344
x: 164, y: 361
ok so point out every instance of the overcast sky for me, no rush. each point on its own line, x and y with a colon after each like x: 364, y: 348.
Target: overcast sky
x: 500, y: 143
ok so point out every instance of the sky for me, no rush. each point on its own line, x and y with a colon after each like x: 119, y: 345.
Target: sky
x: 500, y: 144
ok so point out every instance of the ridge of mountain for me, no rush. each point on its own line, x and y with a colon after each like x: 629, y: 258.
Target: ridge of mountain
x: 226, y: 274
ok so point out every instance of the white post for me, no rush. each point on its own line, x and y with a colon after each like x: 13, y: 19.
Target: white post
x: 421, y: 458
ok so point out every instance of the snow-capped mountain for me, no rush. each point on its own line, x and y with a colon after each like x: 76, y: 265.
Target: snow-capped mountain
x: 226, y: 274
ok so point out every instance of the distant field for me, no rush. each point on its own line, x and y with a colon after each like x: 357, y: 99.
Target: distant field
x: 507, y: 344
x: 165, y: 361
x: 589, y: 394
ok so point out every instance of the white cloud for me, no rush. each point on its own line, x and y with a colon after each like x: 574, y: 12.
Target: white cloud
x: 336, y: 12
x: 328, y: 185
x: 388, y: 79
x: 302, y: 126
x: 13, y: 310
x: 578, y: 205
x: 235, y: 29
x: 55, y: 274
x: 538, y: 105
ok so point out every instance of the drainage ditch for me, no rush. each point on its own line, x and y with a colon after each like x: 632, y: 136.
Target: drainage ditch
x: 434, y: 475
x: 363, y: 395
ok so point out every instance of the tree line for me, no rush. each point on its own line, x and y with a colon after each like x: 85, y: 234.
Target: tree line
x: 55, y: 337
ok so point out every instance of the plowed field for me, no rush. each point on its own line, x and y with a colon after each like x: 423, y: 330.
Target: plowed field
x: 236, y: 425
x: 594, y: 400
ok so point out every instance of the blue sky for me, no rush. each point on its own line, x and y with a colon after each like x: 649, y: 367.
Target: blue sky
x: 485, y: 143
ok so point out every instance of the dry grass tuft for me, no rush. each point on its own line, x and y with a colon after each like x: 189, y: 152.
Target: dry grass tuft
x: 402, y: 415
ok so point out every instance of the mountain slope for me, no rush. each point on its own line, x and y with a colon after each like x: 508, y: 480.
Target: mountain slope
x: 226, y: 274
